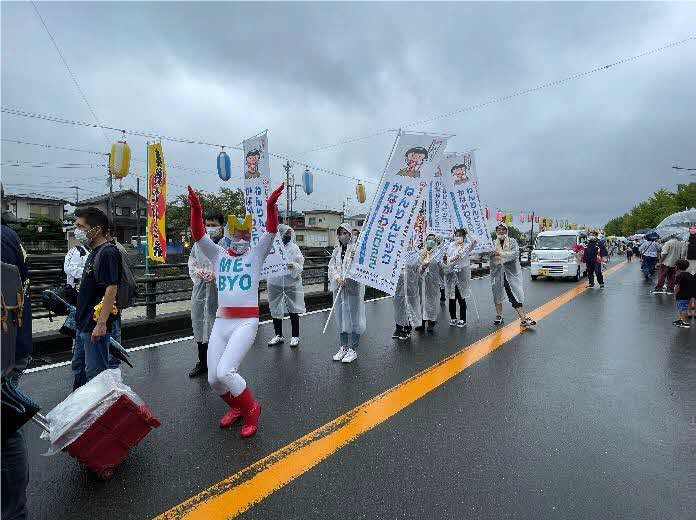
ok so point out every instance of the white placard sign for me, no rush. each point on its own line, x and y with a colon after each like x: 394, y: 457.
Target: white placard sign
x: 459, y: 173
x: 257, y: 180
x: 382, y: 243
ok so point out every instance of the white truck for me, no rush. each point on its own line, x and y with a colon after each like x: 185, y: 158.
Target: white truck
x: 557, y: 254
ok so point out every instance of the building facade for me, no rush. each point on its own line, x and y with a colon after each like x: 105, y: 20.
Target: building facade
x: 127, y: 205
x: 26, y: 207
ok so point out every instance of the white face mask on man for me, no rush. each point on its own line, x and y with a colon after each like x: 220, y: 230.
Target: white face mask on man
x: 344, y: 239
x: 213, y: 231
x: 82, y: 236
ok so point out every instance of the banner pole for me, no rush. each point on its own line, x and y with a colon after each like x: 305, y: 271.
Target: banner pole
x: 332, y: 309
x: 147, y: 218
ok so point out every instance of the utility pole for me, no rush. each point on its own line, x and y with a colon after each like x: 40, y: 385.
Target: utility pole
x: 288, y: 192
x: 531, y: 233
x: 77, y: 195
x: 111, y: 191
x: 137, y: 209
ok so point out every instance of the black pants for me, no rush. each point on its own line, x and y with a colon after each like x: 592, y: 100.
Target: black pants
x: 203, y: 353
x: 591, y: 270
x: 453, y: 305
x: 294, y: 324
x: 15, y: 477
x: 515, y: 304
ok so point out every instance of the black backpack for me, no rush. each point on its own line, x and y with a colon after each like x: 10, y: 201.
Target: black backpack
x: 127, y: 287
x: 691, y: 249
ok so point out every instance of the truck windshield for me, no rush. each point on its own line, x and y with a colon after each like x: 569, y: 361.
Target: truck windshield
x: 555, y: 242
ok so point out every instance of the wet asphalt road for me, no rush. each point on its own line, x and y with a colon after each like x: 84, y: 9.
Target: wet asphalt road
x: 588, y: 416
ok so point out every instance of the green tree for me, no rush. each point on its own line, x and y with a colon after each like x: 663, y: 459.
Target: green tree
x: 51, y: 229
x: 649, y: 213
x: 226, y: 201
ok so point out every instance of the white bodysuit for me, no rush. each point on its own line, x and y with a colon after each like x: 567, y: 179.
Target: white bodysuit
x: 237, y: 279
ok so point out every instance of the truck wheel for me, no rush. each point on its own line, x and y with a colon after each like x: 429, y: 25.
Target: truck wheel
x: 535, y: 276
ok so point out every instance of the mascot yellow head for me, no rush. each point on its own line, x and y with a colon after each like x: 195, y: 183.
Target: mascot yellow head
x: 234, y: 224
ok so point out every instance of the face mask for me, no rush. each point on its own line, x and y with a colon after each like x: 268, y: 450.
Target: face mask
x: 344, y: 239
x: 429, y: 244
x: 81, y: 236
x: 286, y: 240
x: 213, y: 231
x: 239, y: 247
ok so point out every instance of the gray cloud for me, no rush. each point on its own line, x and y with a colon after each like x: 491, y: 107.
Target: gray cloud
x: 314, y: 73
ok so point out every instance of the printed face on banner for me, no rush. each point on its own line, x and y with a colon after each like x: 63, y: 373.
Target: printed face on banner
x: 389, y: 226
x: 252, y: 164
x: 465, y: 207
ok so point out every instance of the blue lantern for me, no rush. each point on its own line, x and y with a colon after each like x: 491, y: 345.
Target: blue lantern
x: 308, y: 182
x: 223, y: 166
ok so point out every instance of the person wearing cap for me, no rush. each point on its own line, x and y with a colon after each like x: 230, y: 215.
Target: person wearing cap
x: 506, y: 276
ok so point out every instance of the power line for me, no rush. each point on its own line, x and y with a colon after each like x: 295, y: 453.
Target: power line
x: 477, y: 106
x: 65, y: 62
x: 16, y: 141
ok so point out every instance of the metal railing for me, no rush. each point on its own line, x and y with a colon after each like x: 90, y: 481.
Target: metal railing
x: 150, y: 295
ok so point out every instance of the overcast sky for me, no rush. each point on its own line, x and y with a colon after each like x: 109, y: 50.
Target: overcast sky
x: 318, y: 73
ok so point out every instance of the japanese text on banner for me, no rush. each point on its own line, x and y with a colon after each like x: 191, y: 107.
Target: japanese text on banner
x: 257, y: 179
x: 459, y: 172
x: 382, y: 244
x: 156, y: 204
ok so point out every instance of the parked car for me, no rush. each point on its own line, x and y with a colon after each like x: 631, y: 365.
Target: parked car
x: 557, y: 254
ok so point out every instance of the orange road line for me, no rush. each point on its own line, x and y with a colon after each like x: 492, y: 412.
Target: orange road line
x: 237, y: 493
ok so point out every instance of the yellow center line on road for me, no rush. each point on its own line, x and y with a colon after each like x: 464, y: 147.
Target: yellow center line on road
x: 237, y: 493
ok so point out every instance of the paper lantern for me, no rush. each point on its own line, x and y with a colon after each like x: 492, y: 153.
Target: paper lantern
x: 498, y: 216
x: 308, y: 182
x: 486, y: 213
x: 360, y: 193
x: 119, y: 160
x: 223, y: 166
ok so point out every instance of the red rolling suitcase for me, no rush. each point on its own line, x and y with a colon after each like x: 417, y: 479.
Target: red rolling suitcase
x: 109, y: 439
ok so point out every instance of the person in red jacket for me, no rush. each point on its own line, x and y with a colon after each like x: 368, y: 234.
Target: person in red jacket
x: 237, y: 273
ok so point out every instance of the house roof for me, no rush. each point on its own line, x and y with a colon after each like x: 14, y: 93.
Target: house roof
x: 105, y: 197
x: 37, y: 198
x: 358, y: 216
x: 309, y: 228
x: 323, y: 211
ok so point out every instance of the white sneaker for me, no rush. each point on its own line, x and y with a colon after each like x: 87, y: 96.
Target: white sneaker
x: 294, y: 342
x: 339, y: 355
x: 453, y: 323
x: 276, y: 340
x: 461, y: 324
x: 350, y: 356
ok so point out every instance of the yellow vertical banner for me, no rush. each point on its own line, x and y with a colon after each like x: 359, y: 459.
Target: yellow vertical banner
x: 156, y: 204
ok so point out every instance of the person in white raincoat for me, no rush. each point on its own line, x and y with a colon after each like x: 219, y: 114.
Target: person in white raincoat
x: 349, y: 297
x: 457, y: 267
x: 285, y: 293
x: 430, y: 285
x: 204, y: 301
x: 407, y: 295
x: 506, y: 276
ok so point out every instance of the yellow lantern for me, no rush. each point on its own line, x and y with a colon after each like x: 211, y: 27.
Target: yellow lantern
x: 360, y: 193
x: 119, y: 160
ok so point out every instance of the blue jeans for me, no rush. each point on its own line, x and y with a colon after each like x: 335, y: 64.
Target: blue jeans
x: 79, y: 364
x: 354, y: 339
x: 89, y: 359
x: 15, y: 477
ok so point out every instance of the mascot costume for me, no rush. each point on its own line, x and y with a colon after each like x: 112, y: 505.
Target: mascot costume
x: 237, y: 272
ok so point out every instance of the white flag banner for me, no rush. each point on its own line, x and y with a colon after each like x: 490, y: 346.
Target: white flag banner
x: 459, y: 173
x: 382, y: 243
x: 257, y: 180
x: 439, y: 220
